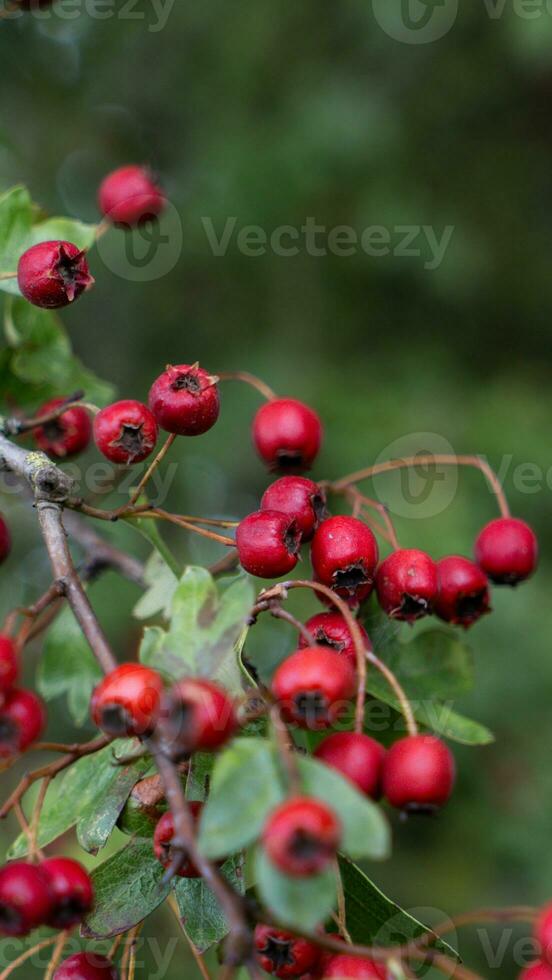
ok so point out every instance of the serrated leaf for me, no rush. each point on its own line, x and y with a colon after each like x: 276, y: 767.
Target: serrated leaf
x: 303, y: 903
x: 202, y: 917
x: 128, y: 888
x: 68, y: 667
x: 162, y: 583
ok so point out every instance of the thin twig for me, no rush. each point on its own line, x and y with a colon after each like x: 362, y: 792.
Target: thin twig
x: 173, y: 904
x: 249, y: 379
x: 398, y: 690
x: 136, y: 494
x: 27, y: 956
x: 286, y: 751
x: 57, y: 954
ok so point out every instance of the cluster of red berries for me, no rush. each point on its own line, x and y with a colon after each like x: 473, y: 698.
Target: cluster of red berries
x: 22, y: 713
x: 57, y: 892
x: 284, y: 955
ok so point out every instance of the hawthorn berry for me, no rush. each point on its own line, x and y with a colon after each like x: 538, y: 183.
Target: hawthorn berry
x: 543, y: 933
x: 162, y: 841
x: 197, y: 716
x: 130, y: 195
x: 342, y: 966
x: 287, y: 434
x: 301, y: 836
x: 87, y: 966
x: 53, y: 274
x: 25, y: 898
x: 22, y: 721
x: 283, y: 954
x: 330, y: 629
x: 462, y: 591
x: 344, y: 555
x: 356, y: 756
x: 5, y: 540
x: 125, y: 432
x: 406, y: 584
x: 507, y: 550
x: 300, y: 499
x: 9, y: 663
x: 185, y: 400
x: 65, y: 436
x: 313, y: 686
x: 72, y: 892
x: 268, y: 543
x: 127, y: 701
x: 418, y: 774
x: 537, y: 971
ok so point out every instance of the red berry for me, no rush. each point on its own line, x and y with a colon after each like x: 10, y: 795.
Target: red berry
x: 301, y: 836
x: 300, y: 499
x: 65, y: 436
x: 197, y: 716
x: 162, y: 840
x: 87, y: 966
x: 543, y: 933
x: 5, y: 540
x: 25, y: 898
x: 406, y: 583
x: 344, y: 556
x: 22, y: 721
x: 537, y: 971
x: 329, y: 629
x: 356, y: 756
x: 313, y: 687
x: 53, y: 274
x: 418, y: 774
x: 9, y: 663
x: 185, y: 400
x: 130, y: 195
x: 282, y: 954
x: 125, y: 432
x: 462, y: 591
x: 343, y: 966
x: 268, y: 544
x: 72, y: 891
x: 127, y: 701
x: 287, y: 434
x: 507, y: 550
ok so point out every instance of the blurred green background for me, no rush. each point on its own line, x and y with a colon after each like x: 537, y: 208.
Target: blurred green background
x: 271, y: 113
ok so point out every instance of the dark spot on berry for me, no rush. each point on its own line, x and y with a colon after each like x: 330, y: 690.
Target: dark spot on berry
x: 306, y: 847
x: 53, y: 430
x: 413, y: 606
x: 511, y: 579
x: 323, y: 640
x: 9, y: 732
x: 350, y: 579
x: 131, y: 440
x: 419, y: 810
x: 10, y: 918
x: 68, y: 268
x: 471, y: 607
x: 278, y: 951
x: 318, y: 501
x: 68, y: 911
x: 311, y: 706
x: 291, y: 461
x: 292, y: 539
x: 187, y: 382
x: 115, y: 720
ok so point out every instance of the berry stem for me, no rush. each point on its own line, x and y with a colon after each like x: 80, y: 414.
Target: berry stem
x: 286, y: 750
x: 279, y: 613
x: 137, y: 492
x: 388, y: 530
x: 128, y: 961
x: 428, y: 460
x: 8, y: 275
x: 200, y: 962
x: 37, y: 948
x: 35, y: 820
x: 406, y: 707
x: 251, y: 380
x: 163, y: 515
x: 16, y: 427
x: 57, y: 954
x: 341, y: 918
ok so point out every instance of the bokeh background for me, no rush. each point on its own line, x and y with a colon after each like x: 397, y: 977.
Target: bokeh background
x: 271, y: 114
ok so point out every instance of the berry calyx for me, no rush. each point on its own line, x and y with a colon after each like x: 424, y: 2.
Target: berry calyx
x: 330, y: 629
x: 5, y: 540
x: 537, y: 971
x: 543, y: 933
x: 162, y: 843
x: 196, y: 716
x: 71, y: 889
x: 313, y: 687
x: 344, y: 556
x: 299, y: 498
x: 356, y: 756
x: 125, y: 432
x: 87, y: 966
x: 301, y: 837
x: 185, y: 400
x: 22, y: 721
x: 53, y: 274
x: 130, y: 195
x: 462, y: 591
x: 127, y: 701
x: 25, y: 898
x: 282, y: 954
x: 406, y: 584
x: 507, y: 550
x: 343, y: 966
x: 418, y: 774
x: 65, y: 436
x: 9, y: 663
x: 268, y: 543
x: 287, y: 434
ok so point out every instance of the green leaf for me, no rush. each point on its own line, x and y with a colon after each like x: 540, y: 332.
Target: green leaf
x: 149, y: 530
x: 63, y: 229
x: 161, y: 582
x: 97, y: 790
x: 202, y: 918
x: 68, y: 667
x: 248, y: 783
x: 128, y: 888
x: 301, y: 902
x: 205, y: 627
